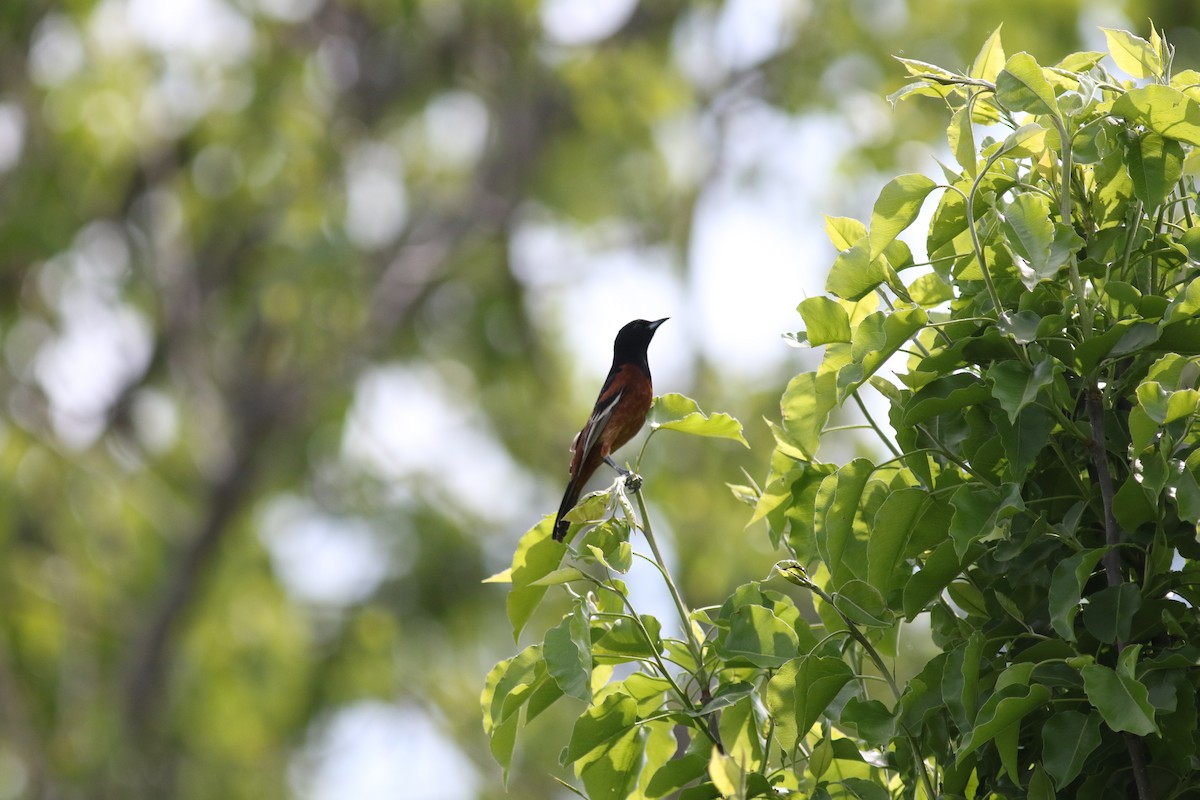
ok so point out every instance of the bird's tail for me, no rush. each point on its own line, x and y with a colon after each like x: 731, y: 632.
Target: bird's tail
x: 570, y: 498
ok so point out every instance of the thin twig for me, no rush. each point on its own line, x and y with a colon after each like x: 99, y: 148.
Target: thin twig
x: 684, y: 616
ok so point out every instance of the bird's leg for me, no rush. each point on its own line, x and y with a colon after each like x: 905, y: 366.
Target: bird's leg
x: 633, y: 481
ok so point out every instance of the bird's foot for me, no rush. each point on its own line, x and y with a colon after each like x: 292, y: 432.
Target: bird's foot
x: 633, y: 481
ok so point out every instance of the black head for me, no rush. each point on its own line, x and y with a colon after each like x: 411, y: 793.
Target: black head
x: 633, y: 339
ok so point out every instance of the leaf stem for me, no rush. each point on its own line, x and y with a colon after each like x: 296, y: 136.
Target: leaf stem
x: 871, y: 421
x: 684, y: 617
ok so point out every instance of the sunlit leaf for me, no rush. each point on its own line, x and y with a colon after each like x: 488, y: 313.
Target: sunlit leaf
x: 536, y: 557
x: 1021, y: 86
x: 805, y: 406
x: 1155, y: 165
x: 606, y: 747
x: 1133, y: 54
x: 674, y: 412
x: 1163, y: 110
x: 825, y: 320
x: 990, y: 61
x: 758, y: 636
x: 896, y: 208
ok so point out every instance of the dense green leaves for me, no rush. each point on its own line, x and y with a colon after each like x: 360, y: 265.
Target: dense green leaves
x: 1033, y: 505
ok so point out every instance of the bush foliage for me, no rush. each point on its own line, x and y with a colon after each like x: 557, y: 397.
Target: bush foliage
x: 1038, y: 509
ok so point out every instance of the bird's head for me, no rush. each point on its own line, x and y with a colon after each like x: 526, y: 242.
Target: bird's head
x: 633, y: 339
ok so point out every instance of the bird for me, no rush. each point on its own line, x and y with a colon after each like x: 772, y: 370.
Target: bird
x: 620, y: 412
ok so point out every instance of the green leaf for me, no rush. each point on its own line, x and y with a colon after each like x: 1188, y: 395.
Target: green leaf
x: 1163, y: 110
x: 897, y: 207
x: 660, y: 751
x: 865, y: 789
x: 608, y: 544
x: 758, y: 636
x: 818, y: 681
x: 1163, y: 406
x: 1184, y: 305
x: 941, y: 567
x: 780, y: 699
x: 1066, y: 589
x: 1133, y: 504
x: 1021, y: 86
x: 625, y: 639
x: 1139, y: 335
x: 944, y: 395
x: 1155, y: 165
x: 739, y: 732
x: 805, y: 407
x: 504, y: 742
x: 979, y: 511
x: 567, y: 650
x: 891, y: 529
x: 854, y: 274
x: 825, y: 321
x: 1133, y: 54
x: 960, y: 680
x: 1109, y: 613
x: 726, y: 776
x: 560, y: 576
x: 875, y: 340
x: 674, y: 412
x: 863, y: 604
x: 509, y: 684
x: 606, y: 747
x: 844, y: 232
x: 834, y: 531
x: 930, y: 290
x: 1015, y: 385
x: 537, y: 556
x: 677, y: 773
x: 1041, y: 787
x: 1122, y: 700
x: 1001, y: 710
x: 1068, y: 738
x: 990, y: 61
x: 961, y: 138
x: 1043, y: 245
x: 1024, y: 439
x: 1026, y: 141
x: 1021, y: 327
x: 1187, y: 495
x: 875, y: 724
x: 647, y: 690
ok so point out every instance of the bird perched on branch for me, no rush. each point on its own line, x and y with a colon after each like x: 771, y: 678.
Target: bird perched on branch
x: 619, y: 414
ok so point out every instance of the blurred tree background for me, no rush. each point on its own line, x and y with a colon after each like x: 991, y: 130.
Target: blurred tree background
x: 301, y: 302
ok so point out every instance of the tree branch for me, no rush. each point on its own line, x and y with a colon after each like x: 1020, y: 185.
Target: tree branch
x: 1112, y: 558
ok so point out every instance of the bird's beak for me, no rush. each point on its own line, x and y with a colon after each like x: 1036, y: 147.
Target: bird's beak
x: 654, y: 325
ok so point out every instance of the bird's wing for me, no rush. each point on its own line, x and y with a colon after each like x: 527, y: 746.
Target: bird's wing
x: 590, y: 435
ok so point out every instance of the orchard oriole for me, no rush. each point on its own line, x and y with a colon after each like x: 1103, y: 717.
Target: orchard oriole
x: 619, y: 414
